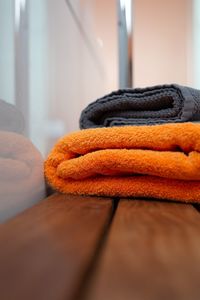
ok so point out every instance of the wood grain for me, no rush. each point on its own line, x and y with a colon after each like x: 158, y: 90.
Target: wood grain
x: 45, y: 252
x: 152, y: 253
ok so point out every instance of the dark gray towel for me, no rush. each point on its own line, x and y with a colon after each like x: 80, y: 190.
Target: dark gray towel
x: 143, y: 106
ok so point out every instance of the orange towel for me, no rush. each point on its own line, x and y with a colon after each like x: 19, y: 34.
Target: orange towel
x: 161, y: 161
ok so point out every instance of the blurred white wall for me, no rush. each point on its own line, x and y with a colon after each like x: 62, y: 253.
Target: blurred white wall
x: 162, y: 42
x: 39, y: 84
x: 196, y: 44
x: 7, y: 83
x: 73, y: 61
x: 82, y: 65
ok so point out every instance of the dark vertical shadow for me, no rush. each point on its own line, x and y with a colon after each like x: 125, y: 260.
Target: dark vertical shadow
x: 81, y: 291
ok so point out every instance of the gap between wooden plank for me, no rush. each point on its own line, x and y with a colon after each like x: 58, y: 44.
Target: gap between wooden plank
x: 46, y: 251
x: 85, y: 283
x: 152, y: 253
x: 197, y: 207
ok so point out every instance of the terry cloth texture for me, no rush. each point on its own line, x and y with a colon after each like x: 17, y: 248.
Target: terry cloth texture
x: 11, y: 119
x: 143, y: 106
x: 160, y: 161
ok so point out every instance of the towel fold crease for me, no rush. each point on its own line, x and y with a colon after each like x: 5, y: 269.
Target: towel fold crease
x: 143, y: 106
x: 160, y: 161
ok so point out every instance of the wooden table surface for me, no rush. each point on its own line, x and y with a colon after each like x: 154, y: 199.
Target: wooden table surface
x: 89, y: 248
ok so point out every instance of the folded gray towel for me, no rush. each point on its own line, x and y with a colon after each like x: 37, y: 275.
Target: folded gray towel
x: 143, y: 106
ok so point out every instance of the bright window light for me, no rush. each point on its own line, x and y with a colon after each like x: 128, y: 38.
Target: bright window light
x: 19, y: 6
x: 126, y: 5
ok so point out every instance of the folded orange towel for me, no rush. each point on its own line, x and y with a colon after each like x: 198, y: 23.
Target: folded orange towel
x: 161, y: 161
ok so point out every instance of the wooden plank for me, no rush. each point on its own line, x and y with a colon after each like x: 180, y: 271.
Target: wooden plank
x: 152, y: 253
x: 45, y: 252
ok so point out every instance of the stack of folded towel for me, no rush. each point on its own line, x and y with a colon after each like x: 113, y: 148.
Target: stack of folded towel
x: 113, y: 156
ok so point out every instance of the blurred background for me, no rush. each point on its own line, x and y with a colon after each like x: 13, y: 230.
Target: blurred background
x: 57, y: 56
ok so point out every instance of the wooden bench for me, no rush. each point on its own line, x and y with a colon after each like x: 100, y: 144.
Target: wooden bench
x: 70, y: 247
